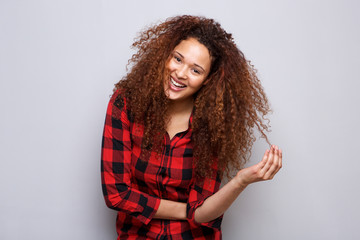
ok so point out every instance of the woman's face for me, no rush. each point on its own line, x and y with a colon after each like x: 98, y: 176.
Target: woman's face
x: 189, y: 65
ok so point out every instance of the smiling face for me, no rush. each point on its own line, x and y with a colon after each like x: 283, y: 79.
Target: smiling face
x: 189, y: 65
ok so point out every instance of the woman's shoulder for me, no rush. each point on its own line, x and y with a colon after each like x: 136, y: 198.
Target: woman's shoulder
x: 118, y: 99
x: 117, y: 105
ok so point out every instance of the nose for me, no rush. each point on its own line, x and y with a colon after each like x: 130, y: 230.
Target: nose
x: 181, y: 72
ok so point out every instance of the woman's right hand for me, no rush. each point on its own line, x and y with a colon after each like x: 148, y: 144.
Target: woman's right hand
x: 264, y: 170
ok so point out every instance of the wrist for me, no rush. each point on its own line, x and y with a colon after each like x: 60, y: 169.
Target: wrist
x: 182, y: 212
x: 238, y: 183
x: 171, y: 210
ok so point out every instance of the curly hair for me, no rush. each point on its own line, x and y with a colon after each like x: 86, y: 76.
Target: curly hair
x: 226, y: 108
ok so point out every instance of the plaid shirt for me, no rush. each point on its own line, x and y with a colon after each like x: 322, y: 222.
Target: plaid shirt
x: 134, y: 187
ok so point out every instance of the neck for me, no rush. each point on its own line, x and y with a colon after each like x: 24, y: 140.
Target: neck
x: 182, y: 106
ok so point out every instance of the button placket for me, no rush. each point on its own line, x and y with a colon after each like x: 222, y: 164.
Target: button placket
x: 163, y: 167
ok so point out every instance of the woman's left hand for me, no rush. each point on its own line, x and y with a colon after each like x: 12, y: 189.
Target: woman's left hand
x: 215, y: 205
x: 264, y: 170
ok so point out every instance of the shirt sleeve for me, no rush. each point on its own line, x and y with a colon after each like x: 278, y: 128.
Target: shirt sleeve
x: 199, y: 192
x: 116, y: 168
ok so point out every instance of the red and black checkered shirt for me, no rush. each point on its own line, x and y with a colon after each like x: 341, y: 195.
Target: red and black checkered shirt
x: 134, y: 187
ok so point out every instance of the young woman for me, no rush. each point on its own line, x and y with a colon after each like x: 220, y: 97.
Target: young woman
x: 179, y: 121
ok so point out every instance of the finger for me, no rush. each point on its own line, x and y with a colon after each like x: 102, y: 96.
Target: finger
x: 274, y: 168
x: 279, y: 164
x: 268, y: 162
x: 280, y: 161
x: 262, y: 163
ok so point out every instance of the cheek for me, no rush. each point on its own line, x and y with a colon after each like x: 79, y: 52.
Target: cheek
x: 197, y: 83
x: 170, y: 65
x: 167, y: 70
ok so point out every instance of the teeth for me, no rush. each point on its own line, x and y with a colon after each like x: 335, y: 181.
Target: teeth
x: 176, y: 84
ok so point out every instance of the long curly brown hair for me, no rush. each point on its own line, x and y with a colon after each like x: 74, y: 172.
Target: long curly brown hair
x: 227, y: 107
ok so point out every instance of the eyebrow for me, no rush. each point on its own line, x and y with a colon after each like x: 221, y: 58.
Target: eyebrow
x: 194, y: 63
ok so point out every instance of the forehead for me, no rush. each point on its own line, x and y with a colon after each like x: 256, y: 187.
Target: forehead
x: 194, y: 52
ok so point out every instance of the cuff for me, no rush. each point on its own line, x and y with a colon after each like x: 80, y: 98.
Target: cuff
x: 190, y: 215
x: 150, y: 207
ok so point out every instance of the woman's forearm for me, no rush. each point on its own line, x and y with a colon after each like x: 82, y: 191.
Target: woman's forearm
x: 215, y: 205
x: 171, y: 210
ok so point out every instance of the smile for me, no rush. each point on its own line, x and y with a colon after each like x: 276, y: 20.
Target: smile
x: 176, y: 84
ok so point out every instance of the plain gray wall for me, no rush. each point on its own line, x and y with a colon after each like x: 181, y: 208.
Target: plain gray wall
x: 60, y: 59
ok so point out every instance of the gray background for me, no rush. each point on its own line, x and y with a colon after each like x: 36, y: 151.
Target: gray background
x: 60, y: 59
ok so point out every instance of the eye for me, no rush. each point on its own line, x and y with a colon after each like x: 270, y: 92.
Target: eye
x: 177, y: 59
x: 196, y: 71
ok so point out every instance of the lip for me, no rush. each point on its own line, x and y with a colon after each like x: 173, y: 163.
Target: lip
x: 173, y: 87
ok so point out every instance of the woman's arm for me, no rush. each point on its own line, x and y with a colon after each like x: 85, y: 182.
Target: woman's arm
x: 116, y: 168
x: 116, y: 174
x: 215, y: 205
x: 171, y: 210
x: 218, y: 203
